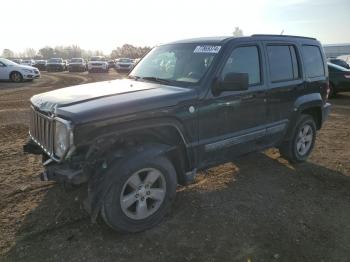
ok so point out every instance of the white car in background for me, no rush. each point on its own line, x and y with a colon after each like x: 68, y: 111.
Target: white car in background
x: 124, y: 65
x: 17, y: 73
x: 98, y: 64
x: 28, y: 62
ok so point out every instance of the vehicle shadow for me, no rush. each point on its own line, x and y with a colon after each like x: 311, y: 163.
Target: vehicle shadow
x: 341, y: 99
x: 260, y: 208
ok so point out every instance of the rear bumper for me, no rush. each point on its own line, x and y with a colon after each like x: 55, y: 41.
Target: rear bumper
x: 343, y: 86
x: 326, y: 111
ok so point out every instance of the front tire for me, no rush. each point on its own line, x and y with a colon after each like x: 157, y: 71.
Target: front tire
x: 141, y: 194
x: 16, y: 77
x: 298, y: 149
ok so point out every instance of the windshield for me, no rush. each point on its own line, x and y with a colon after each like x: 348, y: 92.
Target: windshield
x: 97, y: 58
x: 124, y: 60
x: 7, y: 62
x: 76, y: 60
x: 177, y: 62
x: 55, y: 60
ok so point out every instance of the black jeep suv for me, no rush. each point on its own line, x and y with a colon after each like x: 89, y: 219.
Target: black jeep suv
x: 186, y: 106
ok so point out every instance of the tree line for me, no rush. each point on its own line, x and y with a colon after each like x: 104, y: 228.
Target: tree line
x: 67, y: 52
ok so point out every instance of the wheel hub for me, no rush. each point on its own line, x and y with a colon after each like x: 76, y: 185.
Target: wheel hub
x: 143, y: 193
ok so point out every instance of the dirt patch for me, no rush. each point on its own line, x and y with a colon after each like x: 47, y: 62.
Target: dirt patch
x: 258, y: 208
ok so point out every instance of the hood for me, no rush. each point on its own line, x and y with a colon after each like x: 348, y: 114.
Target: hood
x: 107, y: 99
x: 98, y: 62
x: 55, y: 63
x: 25, y: 67
x: 124, y: 63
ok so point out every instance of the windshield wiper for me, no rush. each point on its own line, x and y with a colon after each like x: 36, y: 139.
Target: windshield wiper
x: 158, y: 80
x: 134, y: 77
x: 152, y: 78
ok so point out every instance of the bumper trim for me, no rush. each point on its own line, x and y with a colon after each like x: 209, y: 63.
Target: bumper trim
x: 64, y: 174
x: 32, y: 148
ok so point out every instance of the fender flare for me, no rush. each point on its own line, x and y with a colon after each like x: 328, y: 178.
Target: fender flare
x: 113, y: 133
x: 303, y: 103
x: 308, y: 101
x: 118, y: 129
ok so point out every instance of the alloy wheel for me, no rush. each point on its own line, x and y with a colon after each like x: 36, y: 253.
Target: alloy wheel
x: 16, y: 77
x: 143, y: 193
x: 304, y: 139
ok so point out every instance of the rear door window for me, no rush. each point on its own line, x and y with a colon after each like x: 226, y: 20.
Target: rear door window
x: 283, y: 63
x: 313, y: 61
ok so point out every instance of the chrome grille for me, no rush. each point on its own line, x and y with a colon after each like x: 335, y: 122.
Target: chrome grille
x: 42, y: 130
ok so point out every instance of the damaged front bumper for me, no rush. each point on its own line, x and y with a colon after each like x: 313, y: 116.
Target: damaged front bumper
x: 63, y: 174
x: 60, y: 172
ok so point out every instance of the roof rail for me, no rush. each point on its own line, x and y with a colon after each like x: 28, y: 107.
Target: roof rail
x: 305, y: 37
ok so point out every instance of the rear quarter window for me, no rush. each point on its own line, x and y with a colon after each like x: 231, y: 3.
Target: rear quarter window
x: 313, y: 61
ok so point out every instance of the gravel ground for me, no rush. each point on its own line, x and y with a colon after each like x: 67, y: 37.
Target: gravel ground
x: 257, y: 208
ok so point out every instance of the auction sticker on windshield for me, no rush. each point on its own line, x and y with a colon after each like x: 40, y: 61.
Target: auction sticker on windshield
x: 207, y: 49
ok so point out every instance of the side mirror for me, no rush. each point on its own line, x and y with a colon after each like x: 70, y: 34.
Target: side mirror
x: 234, y: 82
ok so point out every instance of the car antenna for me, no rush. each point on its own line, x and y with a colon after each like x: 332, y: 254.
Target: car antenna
x: 282, y: 32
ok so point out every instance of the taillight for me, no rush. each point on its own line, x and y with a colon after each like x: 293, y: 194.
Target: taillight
x: 347, y: 76
x: 328, y: 90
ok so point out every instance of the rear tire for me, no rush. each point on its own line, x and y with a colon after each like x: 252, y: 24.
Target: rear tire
x: 16, y: 77
x: 299, y: 147
x: 140, y: 195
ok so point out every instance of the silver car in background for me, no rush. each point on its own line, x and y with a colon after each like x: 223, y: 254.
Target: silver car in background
x: 98, y: 64
x: 124, y: 65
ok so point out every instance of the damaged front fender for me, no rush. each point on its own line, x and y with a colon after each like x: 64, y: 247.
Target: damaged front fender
x: 100, y: 182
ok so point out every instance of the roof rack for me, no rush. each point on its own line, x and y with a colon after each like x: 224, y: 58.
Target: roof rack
x: 305, y: 37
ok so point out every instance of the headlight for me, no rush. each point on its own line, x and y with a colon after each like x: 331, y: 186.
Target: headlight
x: 27, y: 70
x: 63, y: 138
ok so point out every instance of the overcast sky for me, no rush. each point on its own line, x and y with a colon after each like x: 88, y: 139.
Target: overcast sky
x: 106, y: 24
